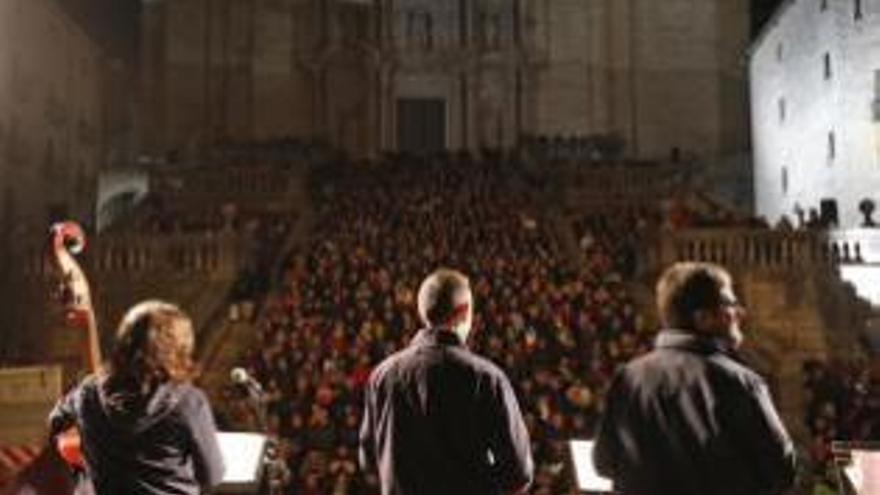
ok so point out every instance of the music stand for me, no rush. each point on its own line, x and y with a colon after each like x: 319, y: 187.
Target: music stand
x: 243, y: 455
x: 588, y: 480
x: 857, y: 465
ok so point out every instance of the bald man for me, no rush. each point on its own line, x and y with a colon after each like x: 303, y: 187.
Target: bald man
x: 439, y: 419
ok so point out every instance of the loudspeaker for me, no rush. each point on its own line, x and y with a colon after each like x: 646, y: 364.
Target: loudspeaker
x: 828, y: 212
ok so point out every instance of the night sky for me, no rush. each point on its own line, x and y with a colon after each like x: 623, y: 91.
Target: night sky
x: 761, y: 11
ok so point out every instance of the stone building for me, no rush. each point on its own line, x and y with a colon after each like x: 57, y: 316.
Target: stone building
x: 815, y: 87
x: 61, y: 121
x: 58, y: 93
x: 373, y: 75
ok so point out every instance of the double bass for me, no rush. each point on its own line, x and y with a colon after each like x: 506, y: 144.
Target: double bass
x: 59, y: 469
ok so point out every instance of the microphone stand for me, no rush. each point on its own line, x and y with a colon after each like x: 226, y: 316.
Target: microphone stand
x: 260, y: 406
x: 275, y: 468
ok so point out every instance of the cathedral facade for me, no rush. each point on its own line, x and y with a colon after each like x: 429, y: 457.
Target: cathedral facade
x: 374, y: 75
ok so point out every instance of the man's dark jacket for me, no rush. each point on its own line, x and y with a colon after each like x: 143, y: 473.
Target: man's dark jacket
x: 689, y: 419
x: 161, y: 445
x: 439, y: 419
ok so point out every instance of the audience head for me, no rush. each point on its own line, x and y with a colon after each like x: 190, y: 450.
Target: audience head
x: 699, y: 298
x: 445, y: 300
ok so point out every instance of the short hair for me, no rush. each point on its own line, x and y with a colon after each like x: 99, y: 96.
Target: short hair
x: 684, y: 288
x: 154, y: 345
x: 440, y: 294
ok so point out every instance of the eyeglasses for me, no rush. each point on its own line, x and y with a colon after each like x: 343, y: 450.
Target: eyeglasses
x: 730, y: 303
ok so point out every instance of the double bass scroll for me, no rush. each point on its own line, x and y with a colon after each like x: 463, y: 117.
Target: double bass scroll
x: 54, y: 470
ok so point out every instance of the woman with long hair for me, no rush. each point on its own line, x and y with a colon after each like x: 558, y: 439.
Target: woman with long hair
x: 145, y: 428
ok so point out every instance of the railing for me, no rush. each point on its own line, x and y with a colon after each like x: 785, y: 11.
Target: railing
x: 752, y: 248
x: 211, y: 256
x: 856, y: 245
x: 232, y: 182
x: 622, y: 182
x: 766, y: 248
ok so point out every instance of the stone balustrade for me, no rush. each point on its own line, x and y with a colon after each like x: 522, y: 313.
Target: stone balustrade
x: 855, y: 245
x: 590, y: 183
x: 579, y: 205
x: 213, y: 256
x: 773, y: 248
x: 237, y: 182
x: 750, y: 248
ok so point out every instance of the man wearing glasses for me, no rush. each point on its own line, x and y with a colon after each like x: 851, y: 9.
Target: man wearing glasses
x: 688, y: 417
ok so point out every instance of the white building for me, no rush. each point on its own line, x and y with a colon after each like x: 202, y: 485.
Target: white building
x: 815, y: 96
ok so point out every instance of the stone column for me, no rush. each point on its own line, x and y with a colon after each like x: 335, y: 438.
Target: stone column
x: 386, y: 89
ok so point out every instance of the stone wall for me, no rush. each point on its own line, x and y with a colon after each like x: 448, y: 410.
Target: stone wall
x: 814, y: 85
x: 27, y: 395
x: 689, y: 90
x: 663, y: 74
x: 57, y: 130
x: 52, y: 131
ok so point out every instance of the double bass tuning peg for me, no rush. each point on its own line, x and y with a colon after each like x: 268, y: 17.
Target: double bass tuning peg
x: 71, y: 236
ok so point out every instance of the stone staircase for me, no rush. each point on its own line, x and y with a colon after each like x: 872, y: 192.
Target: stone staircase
x: 226, y: 341
x: 201, y: 299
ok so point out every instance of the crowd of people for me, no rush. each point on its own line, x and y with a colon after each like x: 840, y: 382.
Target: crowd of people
x: 622, y: 236
x: 843, y: 403
x: 558, y: 328
x: 592, y: 148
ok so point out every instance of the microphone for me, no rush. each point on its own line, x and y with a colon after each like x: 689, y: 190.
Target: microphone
x: 240, y: 376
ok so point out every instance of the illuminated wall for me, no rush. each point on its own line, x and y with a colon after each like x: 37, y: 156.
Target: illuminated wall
x: 663, y: 74
x: 815, y: 88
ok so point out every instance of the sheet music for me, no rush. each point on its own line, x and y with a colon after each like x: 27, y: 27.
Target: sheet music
x: 242, y: 455
x: 588, y: 479
x: 864, y: 472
